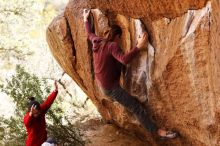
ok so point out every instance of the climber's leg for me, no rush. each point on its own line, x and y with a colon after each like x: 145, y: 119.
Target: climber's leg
x: 134, y: 106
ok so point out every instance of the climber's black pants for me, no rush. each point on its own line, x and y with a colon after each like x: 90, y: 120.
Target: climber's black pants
x: 133, y: 105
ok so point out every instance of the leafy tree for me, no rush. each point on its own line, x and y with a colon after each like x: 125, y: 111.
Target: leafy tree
x: 23, y: 25
x: 19, y: 87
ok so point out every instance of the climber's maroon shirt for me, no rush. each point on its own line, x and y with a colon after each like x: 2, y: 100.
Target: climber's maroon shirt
x: 107, y: 60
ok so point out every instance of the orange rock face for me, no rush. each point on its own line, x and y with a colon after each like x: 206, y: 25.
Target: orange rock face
x: 177, y: 76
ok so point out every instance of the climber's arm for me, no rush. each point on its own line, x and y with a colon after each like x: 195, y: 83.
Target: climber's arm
x: 125, y: 58
x: 122, y: 57
x: 91, y: 35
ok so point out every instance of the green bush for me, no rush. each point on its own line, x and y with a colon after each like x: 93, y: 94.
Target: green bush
x: 19, y: 87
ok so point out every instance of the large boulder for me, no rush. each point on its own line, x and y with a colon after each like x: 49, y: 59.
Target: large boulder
x: 177, y: 76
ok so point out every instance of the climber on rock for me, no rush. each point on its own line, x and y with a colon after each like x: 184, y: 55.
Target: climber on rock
x: 34, y: 120
x: 107, y: 59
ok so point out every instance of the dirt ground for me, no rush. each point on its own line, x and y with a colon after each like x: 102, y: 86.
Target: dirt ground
x: 98, y: 133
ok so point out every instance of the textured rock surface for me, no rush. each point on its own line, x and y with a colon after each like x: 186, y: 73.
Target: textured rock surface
x: 177, y: 76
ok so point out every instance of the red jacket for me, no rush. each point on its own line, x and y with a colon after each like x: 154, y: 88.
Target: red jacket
x: 36, y: 127
x: 108, y: 59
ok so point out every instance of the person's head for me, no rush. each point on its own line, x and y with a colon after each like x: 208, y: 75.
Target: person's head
x: 37, y: 110
x: 113, y: 34
x: 50, y: 142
